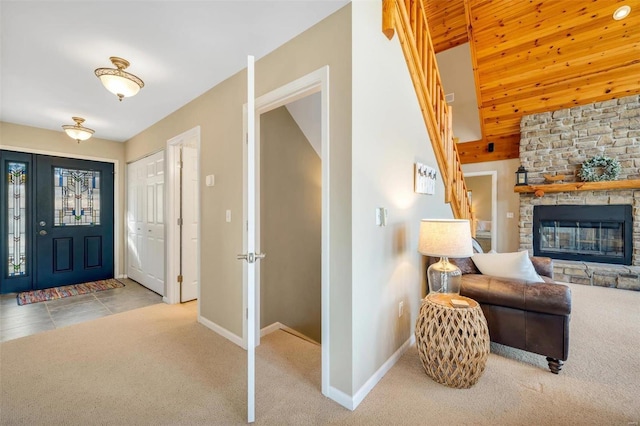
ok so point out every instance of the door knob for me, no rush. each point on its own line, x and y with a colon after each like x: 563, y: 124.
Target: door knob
x: 251, y: 257
x: 42, y: 232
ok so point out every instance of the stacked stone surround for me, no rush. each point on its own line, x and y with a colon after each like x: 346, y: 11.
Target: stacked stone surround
x: 558, y: 143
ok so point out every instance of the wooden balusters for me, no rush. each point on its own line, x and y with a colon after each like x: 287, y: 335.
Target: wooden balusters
x: 408, y: 19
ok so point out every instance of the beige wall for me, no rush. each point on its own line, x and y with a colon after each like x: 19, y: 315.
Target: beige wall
x: 219, y: 114
x: 290, y: 223
x: 508, y: 201
x: 389, y: 136
x: 33, y: 139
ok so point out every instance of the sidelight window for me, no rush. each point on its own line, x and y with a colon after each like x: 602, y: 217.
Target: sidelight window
x: 16, y: 217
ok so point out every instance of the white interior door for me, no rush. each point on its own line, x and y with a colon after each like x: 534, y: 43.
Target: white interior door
x: 189, y: 224
x: 135, y: 222
x: 146, y: 222
x: 154, y: 238
x: 250, y: 256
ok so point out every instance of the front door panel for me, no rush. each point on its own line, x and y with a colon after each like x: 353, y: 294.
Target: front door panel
x: 74, y: 221
x: 61, y: 231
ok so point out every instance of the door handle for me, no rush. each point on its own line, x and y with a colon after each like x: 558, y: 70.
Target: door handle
x: 251, y: 257
x: 42, y: 232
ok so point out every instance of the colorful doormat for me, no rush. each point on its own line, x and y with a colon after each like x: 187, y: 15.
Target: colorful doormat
x: 36, y: 296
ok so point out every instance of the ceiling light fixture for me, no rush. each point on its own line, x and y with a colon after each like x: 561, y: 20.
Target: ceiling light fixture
x: 77, y: 131
x: 117, y: 81
x: 621, y: 12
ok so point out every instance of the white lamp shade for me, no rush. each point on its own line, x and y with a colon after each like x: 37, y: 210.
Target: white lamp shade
x: 119, y: 86
x: 445, y: 238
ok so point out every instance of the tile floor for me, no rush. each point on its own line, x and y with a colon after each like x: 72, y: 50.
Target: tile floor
x: 19, y: 321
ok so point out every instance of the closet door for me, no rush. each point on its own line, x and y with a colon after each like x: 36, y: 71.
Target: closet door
x: 135, y: 224
x: 146, y: 222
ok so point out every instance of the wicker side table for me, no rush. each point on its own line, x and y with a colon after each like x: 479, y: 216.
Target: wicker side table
x: 453, y: 343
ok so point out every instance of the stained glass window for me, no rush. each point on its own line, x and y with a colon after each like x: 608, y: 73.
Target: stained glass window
x: 77, y: 197
x: 17, y: 217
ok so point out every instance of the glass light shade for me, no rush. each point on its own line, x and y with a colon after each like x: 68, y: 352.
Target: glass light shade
x: 79, y: 134
x: 77, y: 131
x: 117, y: 81
x: 120, y: 86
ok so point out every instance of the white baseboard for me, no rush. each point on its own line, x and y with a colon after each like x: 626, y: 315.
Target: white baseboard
x: 221, y: 331
x: 352, y: 402
x: 270, y: 329
x: 341, y: 398
x: 279, y: 326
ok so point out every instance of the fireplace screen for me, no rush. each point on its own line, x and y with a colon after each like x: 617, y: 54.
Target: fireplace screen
x: 585, y: 233
x: 589, y: 238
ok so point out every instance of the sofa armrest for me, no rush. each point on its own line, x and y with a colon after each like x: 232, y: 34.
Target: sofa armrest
x: 548, y: 298
x: 543, y: 265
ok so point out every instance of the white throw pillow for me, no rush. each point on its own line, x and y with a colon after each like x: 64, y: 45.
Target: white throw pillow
x: 507, y: 265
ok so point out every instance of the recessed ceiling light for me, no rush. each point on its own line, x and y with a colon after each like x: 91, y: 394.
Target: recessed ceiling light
x: 621, y: 12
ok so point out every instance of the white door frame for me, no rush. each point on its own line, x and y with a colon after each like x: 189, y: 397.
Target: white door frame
x: 494, y: 202
x: 317, y: 81
x: 190, y: 137
x: 117, y: 217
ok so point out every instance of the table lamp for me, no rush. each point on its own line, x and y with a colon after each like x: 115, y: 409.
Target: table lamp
x: 445, y: 238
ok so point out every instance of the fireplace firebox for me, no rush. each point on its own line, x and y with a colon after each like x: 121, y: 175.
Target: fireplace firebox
x: 587, y: 233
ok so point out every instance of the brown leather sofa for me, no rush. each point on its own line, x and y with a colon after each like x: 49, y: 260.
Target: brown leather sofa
x: 526, y: 315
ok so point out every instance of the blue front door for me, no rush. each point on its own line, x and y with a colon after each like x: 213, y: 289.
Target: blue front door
x: 59, y: 221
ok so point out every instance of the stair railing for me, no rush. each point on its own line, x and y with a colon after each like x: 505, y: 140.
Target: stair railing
x: 408, y: 19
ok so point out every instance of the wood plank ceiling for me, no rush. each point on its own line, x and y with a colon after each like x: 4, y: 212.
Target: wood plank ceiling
x: 536, y: 56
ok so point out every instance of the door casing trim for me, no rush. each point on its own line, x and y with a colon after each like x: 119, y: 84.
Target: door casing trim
x: 494, y: 202
x: 172, y: 249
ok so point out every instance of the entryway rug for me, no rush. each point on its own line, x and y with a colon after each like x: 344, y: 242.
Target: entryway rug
x: 35, y: 296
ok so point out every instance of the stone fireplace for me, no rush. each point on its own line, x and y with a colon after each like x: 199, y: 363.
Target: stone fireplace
x: 559, y: 142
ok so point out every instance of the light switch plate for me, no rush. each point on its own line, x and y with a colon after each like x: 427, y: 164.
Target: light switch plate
x: 210, y: 180
x: 381, y: 216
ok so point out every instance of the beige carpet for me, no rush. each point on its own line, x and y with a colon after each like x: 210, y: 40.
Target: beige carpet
x: 157, y: 366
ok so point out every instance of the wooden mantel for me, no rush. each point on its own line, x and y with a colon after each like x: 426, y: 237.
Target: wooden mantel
x: 541, y: 189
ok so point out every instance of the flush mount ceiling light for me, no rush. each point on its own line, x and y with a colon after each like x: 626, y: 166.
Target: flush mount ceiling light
x: 621, y: 12
x: 77, y: 131
x: 117, y: 81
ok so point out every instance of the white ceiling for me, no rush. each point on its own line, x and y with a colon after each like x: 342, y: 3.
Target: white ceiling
x: 180, y: 49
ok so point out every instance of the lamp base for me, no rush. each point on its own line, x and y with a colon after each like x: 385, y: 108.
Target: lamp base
x: 444, y: 277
